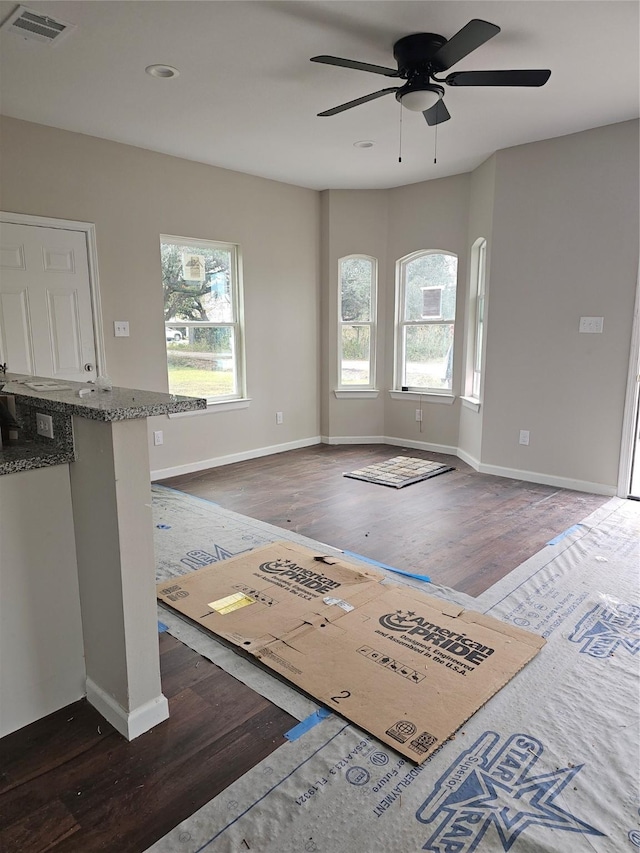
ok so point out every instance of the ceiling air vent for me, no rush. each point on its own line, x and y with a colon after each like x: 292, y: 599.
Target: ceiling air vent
x: 30, y: 25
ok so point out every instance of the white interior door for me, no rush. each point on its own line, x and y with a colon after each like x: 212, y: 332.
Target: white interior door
x: 46, y: 320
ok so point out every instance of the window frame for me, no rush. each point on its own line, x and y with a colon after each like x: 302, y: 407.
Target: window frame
x: 236, y: 324
x: 401, y: 324
x: 371, y: 324
x: 477, y: 325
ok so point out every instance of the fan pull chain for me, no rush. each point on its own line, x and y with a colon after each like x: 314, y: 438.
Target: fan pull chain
x: 400, y: 148
x: 435, y: 147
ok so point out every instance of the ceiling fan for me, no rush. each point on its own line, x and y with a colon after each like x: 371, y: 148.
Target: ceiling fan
x: 423, y: 55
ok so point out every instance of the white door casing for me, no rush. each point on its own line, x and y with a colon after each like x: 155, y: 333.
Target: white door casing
x: 49, y: 303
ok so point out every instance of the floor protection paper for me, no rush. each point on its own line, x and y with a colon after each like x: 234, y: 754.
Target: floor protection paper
x: 549, y: 765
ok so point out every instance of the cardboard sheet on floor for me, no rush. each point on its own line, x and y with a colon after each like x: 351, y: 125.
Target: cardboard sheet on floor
x: 405, y: 666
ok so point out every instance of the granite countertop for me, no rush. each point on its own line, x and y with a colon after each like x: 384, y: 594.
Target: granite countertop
x: 119, y: 404
x: 28, y: 455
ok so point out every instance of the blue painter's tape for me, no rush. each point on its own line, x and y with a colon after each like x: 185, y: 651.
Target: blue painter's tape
x: 162, y: 627
x: 424, y: 578
x: 312, y: 720
x: 567, y: 532
x: 163, y: 526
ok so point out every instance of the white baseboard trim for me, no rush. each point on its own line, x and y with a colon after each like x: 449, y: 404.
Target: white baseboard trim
x: 353, y: 439
x: 496, y: 470
x: 468, y: 458
x: 130, y: 724
x: 217, y: 461
x: 549, y: 480
x: 421, y: 445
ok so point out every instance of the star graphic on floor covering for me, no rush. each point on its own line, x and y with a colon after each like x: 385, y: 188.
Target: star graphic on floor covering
x: 511, y: 808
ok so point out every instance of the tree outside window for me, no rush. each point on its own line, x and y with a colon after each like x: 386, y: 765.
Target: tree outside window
x: 202, y: 318
x: 356, y: 325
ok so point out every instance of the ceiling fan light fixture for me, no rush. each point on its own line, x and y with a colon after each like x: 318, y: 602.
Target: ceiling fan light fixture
x: 420, y: 100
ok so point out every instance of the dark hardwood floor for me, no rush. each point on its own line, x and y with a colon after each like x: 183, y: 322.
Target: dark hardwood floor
x: 69, y: 782
x: 463, y: 529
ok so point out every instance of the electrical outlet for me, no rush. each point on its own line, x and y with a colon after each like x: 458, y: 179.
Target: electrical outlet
x: 592, y: 325
x: 418, y: 414
x: 121, y: 328
x: 158, y: 437
x: 44, y: 425
x: 524, y: 436
x: 279, y: 417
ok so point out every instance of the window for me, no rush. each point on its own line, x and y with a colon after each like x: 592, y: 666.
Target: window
x: 477, y: 304
x: 426, y: 308
x: 203, y: 318
x: 357, y: 318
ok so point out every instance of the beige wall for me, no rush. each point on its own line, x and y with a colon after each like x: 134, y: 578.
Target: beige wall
x: 389, y: 224
x: 133, y: 196
x: 42, y: 665
x: 561, y: 219
x: 565, y: 245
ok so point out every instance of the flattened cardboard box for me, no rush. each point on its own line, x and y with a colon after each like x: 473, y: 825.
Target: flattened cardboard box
x: 406, y: 667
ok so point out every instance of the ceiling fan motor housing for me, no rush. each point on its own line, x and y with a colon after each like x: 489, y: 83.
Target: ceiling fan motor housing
x: 414, y: 54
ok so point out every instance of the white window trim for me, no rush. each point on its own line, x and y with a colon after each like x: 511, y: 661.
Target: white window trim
x: 426, y: 396
x: 372, y: 324
x: 471, y: 403
x: 474, y: 379
x: 238, y: 323
x: 215, y: 407
x: 401, y: 324
x: 356, y: 393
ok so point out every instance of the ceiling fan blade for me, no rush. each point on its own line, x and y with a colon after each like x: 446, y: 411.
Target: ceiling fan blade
x: 358, y: 101
x: 359, y: 66
x: 498, y: 78
x: 471, y: 36
x: 436, y: 114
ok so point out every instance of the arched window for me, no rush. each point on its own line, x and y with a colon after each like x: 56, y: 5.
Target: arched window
x: 425, y: 318
x: 357, y: 321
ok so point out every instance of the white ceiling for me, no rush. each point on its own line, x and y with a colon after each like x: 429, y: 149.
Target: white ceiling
x: 247, y: 95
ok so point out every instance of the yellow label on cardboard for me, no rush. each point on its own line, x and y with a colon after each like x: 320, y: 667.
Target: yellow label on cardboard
x: 231, y: 602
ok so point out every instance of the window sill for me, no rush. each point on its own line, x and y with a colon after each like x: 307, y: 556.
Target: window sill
x: 426, y: 397
x: 215, y: 407
x: 356, y: 393
x: 471, y: 403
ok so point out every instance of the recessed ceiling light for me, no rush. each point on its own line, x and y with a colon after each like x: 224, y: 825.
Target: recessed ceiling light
x: 365, y: 143
x: 164, y: 72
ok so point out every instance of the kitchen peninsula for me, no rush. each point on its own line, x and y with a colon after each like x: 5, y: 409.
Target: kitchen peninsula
x: 77, y: 568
